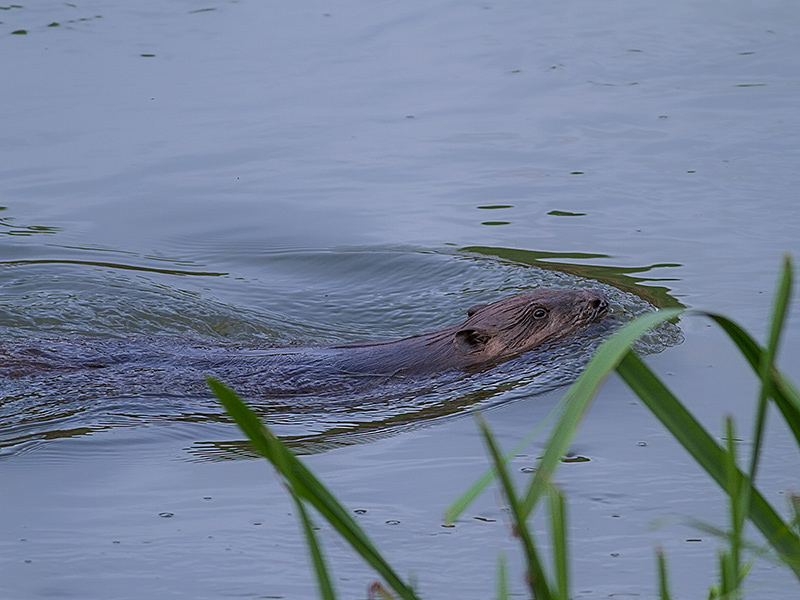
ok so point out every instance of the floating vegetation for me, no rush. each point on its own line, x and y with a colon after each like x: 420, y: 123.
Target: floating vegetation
x: 564, y: 213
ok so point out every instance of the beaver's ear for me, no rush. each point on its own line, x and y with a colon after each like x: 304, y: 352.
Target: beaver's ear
x: 472, y: 340
x: 473, y: 309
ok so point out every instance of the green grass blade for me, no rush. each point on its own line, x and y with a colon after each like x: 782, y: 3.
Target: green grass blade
x: 535, y: 575
x: 318, y: 561
x: 307, y: 486
x: 767, y: 360
x: 723, y: 535
x: 663, y: 582
x: 460, y: 504
x: 558, y: 523
x: 779, y: 309
x: 794, y: 501
x: 579, y: 395
x: 713, y: 593
x: 705, y: 451
x: 786, y: 397
x: 738, y: 500
x: 502, y: 577
x: 727, y: 579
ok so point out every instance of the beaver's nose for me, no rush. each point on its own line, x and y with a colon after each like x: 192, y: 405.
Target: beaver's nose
x: 597, y: 300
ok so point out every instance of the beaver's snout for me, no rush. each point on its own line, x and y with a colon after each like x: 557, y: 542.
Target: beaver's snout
x: 597, y: 302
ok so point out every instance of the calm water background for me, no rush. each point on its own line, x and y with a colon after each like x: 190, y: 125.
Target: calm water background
x: 267, y: 173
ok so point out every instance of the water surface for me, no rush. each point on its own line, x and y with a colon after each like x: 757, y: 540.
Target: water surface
x: 95, y: 353
x: 253, y: 173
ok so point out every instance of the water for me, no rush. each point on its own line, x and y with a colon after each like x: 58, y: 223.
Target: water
x: 156, y: 344
x: 302, y: 175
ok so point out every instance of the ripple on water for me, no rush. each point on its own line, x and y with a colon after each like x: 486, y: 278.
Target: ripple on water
x: 90, y: 314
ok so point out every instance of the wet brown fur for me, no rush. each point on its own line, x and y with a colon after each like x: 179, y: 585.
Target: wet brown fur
x: 491, y: 333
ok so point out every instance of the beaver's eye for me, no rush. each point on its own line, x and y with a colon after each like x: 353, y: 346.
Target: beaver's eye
x: 539, y: 313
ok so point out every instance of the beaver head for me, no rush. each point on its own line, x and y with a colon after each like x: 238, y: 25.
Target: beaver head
x: 491, y: 333
x: 520, y: 323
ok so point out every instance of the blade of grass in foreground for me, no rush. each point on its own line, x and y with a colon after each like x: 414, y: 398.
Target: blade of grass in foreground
x: 558, y: 523
x: 461, y: 503
x: 575, y: 403
x: 663, y: 580
x: 320, y: 568
x: 707, y: 453
x: 767, y: 360
x: 773, y: 385
x: 535, y: 576
x: 786, y: 397
x: 738, y: 500
x: 307, y: 487
x: 580, y: 394
x: 502, y: 577
x: 765, y: 368
x: 794, y: 500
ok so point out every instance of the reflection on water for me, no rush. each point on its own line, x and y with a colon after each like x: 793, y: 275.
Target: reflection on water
x: 95, y: 349
x: 10, y: 226
x: 624, y: 278
x: 109, y: 265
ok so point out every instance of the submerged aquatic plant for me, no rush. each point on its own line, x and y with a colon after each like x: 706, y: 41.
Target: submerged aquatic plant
x: 720, y: 462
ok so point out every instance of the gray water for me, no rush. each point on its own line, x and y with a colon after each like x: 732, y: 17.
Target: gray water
x: 251, y: 173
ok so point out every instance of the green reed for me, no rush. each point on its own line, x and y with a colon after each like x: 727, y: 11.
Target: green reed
x: 720, y: 462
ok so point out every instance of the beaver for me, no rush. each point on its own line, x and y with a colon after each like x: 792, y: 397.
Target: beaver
x: 61, y: 388
x: 490, y: 334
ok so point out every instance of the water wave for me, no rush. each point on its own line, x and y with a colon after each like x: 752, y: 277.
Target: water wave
x: 95, y: 349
